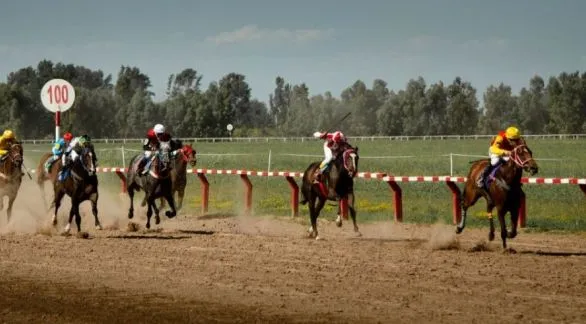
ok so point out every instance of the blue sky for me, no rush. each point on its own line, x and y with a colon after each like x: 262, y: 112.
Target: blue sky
x: 326, y: 44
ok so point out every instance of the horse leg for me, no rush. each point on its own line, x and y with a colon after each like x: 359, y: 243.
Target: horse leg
x: 173, y: 212
x: 130, y: 190
x: 351, y: 200
x: 156, y: 210
x: 317, y: 210
x: 312, y: 215
x: 339, y: 218
x: 11, y: 200
x: 74, y: 211
x: 502, y: 211
x: 469, y: 197
x: 514, y: 210
x: 57, y: 203
x: 180, y: 195
x: 94, y: 201
x: 150, y: 204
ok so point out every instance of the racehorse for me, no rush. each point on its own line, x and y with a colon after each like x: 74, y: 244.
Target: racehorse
x: 339, y: 185
x: 80, y: 184
x: 156, y: 184
x: 187, y: 154
x: 43, y: 176
x: 11, y: 176
x: 504, y: 192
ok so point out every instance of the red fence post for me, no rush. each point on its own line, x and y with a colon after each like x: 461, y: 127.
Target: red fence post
x: 522, y: 220
x: 583, y: 188
x: 205, y: 192
x: 397, y: 201
x: 456, y: 209
x: 294, y: 196
x: 123, y: 179
x: 247, y: 193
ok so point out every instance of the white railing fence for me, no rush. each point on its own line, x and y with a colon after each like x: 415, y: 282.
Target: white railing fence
x: 302, y: 139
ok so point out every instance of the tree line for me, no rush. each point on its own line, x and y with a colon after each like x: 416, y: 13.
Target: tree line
x: 126, y: 108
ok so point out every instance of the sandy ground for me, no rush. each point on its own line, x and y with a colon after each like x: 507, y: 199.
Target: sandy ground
x: 222, y: 268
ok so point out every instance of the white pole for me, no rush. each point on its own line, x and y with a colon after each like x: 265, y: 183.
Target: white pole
x: 123, y: 157
x: 451, y: 165
x: 269, y: 167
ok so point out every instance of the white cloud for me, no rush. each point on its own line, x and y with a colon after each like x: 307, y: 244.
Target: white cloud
x: 251, y: 33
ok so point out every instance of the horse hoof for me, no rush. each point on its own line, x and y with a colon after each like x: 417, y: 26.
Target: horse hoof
x: 54, y: 222
x: 157, y: 220
x: 317, y: 238
x: 512, y: 235
x: 170, y: 214
x: 339, y: 224
x: 459, y: 230
x: 99, y: 227
x: 148, y: 225
x: 491, y: 236
x: 130, y: 215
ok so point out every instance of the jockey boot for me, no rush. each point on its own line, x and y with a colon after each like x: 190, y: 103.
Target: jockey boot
x: 49, y: 163
x: 484, y: 175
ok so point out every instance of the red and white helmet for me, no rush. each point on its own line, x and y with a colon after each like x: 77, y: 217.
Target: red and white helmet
x: 338, y: 137
x: 68, y: 136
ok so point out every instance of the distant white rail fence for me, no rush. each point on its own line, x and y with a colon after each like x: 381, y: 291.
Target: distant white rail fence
x: 303, y: 139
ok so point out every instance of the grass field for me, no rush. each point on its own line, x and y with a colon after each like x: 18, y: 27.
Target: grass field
x: 549, y: 207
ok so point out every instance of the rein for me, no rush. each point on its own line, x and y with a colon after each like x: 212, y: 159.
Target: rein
x: 517, y: 159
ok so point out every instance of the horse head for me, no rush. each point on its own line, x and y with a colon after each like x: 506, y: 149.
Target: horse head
x: 88, y: 159
x: 15, y: 154
x: 188, y: 154
x: 523, y: 158
x: 164, y: 156
x: 350, y: 160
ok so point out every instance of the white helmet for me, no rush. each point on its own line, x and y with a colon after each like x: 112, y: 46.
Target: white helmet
x: 159, y: 129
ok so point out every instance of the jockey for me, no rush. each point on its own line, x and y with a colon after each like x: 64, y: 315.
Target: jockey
x: 71, y: 152
x: 333, y: 143
x: 6, y: 140
x: 151, y: 143
x: 58, y: 150
x: 500, y: 150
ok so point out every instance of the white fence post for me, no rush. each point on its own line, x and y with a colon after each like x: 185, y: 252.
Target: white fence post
x: 451, y: 165
x: 123, y: 157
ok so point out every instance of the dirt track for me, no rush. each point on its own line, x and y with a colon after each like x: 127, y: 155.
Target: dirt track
x: 264, y: 270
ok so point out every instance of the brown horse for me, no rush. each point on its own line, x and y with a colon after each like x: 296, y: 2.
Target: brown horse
x: 156, y: 183
x: 186, y: 154
x: 43, y: 176
x: 11, y: 176
x: 504, y: 192
x: 81, y: 184
x: 340, y: 185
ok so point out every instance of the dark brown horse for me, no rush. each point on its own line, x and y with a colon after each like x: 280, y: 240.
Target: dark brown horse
x: 11, y: 176
x: 186, y: 154
x: 339, y: 184
x: 504, y: 192
x: 80, y: 184
x: 156, y: 184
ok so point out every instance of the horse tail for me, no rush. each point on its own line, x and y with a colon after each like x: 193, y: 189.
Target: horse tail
x: 41, y: 169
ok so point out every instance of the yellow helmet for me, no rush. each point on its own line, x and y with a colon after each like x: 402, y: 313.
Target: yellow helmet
x: 8, y: 134
x: 513, y: 133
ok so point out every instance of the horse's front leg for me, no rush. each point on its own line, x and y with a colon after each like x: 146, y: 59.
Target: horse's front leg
x: 351, y: 200
x: 173, y: 212
x: 502, y: 212
x: 57, y: 203
x: 73, y: 212
x: 94, y: 201
x: 156, y: 210
x: 180, y: 195
x: 150, y: 204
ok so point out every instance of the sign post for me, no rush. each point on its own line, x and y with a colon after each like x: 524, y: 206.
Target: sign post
x: 229, y: 127
x: 57, y: 96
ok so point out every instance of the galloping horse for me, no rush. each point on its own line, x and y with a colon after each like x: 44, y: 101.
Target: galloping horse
x: 504, y: 192
x: 156, y: 184
x: 11, y: 176
x: 179, y: 173
x: 340, y: 185
x: 81, y: 184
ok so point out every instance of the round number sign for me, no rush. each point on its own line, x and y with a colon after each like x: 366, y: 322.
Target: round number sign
x: 229, y: 127
x: 57, y: 95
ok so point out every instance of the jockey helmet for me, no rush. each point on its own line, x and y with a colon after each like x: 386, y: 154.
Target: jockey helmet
x: 68, y: 136
x: 513, y: 133
x: 159, y: 129
x: 338, y: 137
x: 8, y: 134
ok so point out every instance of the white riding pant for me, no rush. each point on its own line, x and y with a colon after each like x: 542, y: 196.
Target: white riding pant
x: 494, y: 158
x: 72, y: 155
x: 329, y: 155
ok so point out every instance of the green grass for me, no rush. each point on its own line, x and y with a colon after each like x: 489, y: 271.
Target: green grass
x: 549, y: 207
